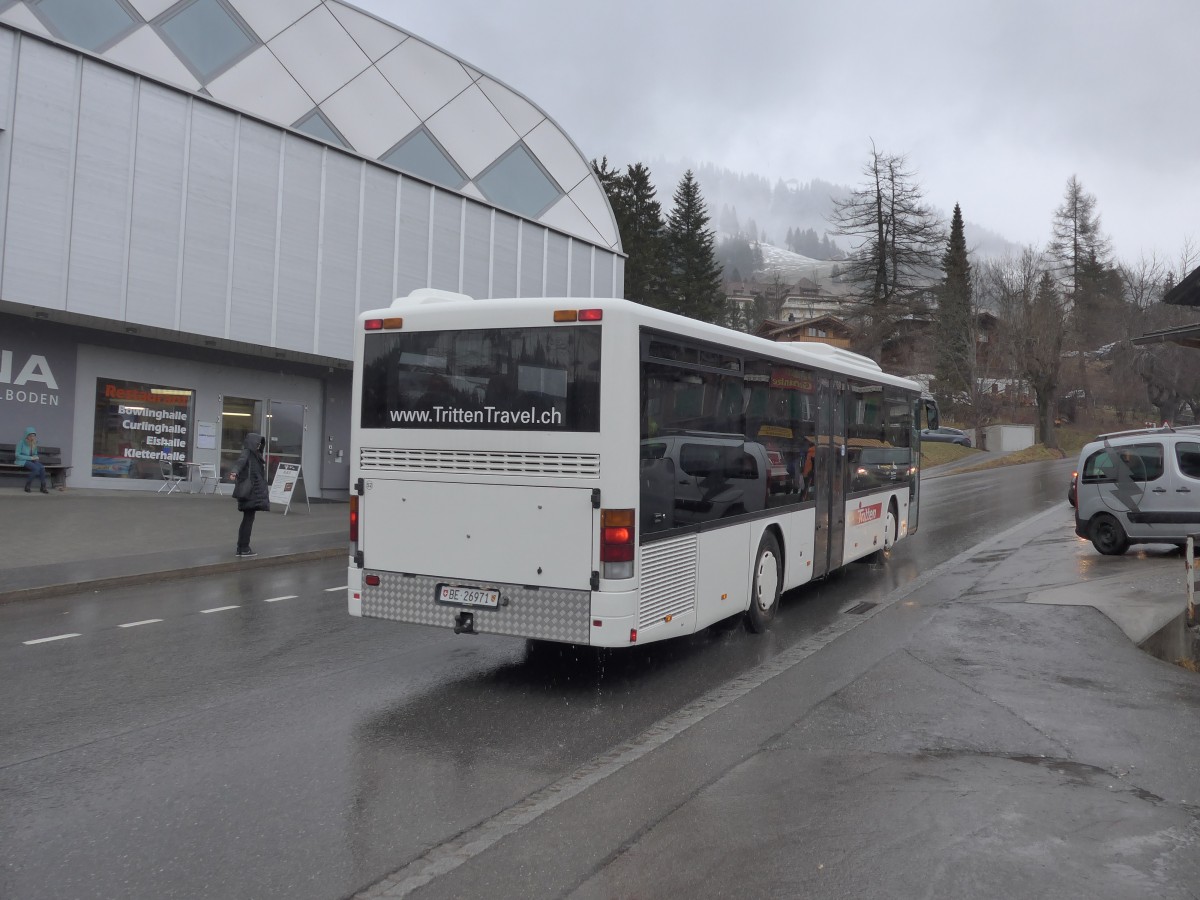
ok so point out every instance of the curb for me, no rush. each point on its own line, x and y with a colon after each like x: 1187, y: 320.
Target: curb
x: 49, y: 590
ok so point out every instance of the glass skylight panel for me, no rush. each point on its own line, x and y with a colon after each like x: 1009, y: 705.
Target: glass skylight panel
x: 518, y: 183
x: 420, y: 155
x: 91, y: 24
x: 207, y: 36
x: 318, y: 126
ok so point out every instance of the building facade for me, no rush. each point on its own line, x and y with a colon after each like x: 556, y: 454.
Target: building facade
x: 199, y: 196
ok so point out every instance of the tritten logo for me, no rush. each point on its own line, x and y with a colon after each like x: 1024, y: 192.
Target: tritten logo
x: 865, y: 514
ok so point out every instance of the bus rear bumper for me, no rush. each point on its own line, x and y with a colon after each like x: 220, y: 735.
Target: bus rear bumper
x: 542, y: 613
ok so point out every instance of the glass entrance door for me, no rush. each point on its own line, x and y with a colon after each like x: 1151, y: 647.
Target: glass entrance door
x: 239, y: 417
x: 284, y: 433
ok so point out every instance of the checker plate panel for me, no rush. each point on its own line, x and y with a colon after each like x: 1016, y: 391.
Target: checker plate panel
x: 552, y: 614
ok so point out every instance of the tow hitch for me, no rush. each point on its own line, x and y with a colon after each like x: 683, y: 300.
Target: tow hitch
x: 464, y: 623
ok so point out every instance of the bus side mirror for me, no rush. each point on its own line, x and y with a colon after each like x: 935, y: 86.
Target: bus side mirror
x: 931, y: 415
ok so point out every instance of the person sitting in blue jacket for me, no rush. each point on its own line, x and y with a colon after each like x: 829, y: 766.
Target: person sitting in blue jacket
x: 27, y: 456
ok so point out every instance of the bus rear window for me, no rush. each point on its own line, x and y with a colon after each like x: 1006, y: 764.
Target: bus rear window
x: 504, y: 379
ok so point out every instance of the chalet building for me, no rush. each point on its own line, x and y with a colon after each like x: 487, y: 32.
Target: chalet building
x: 819, y: 329
x: 1186, y: 293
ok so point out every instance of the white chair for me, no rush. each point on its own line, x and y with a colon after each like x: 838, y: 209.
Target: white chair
x: 208, y: 473
x: 171, y: 478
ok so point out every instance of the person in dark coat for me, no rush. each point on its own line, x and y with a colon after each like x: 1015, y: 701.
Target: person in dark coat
x: 250, y: 489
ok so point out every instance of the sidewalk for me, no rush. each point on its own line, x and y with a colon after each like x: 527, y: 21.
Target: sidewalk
x: 92, y: 538
x: 981, y: 733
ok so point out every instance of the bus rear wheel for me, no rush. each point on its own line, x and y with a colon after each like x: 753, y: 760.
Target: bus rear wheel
x: 768, y: 582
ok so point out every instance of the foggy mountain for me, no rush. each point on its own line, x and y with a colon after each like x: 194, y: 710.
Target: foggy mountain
x: 739, y: 202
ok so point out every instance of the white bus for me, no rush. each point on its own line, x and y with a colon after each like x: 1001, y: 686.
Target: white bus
x: 599, y: 472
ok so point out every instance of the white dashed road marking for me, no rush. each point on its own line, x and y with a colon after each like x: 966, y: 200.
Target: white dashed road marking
x: 143, y: 622
x: 57, y: 637
x: 339, y: 588
x: 277, y: 599
x: 219, y: 608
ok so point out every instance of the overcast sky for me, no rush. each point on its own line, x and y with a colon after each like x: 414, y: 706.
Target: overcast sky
x: 996, y: 103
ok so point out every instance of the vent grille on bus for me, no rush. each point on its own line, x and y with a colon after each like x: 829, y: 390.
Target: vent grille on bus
x: 467, y: 462
x: 668, y: 585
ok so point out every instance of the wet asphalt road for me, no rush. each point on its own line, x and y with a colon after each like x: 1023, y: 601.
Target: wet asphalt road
x: 281, y: 748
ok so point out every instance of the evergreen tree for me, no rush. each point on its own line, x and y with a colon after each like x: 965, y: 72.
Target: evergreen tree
x: 693, y: 274
x: 737, y: 257
x: 640, y: 222
x: 955, y: 349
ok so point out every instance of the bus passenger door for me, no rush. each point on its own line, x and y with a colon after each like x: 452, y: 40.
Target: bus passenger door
x: 829, y: 476
x: 839, y: 475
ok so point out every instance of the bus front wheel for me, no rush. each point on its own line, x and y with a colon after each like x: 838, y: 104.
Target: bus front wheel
x: 768, y: 580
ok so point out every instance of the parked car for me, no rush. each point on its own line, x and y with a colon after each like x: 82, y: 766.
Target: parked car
x: 1071, y: 488
x: 946, y: 435
x: 1139, y: 487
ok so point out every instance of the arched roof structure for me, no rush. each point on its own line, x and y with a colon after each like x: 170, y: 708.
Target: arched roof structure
x: 355, y: 81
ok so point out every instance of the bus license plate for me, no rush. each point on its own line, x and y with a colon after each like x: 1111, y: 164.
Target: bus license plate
x: 468, y: 596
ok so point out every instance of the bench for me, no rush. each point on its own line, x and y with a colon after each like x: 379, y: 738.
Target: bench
x: 50, y: 457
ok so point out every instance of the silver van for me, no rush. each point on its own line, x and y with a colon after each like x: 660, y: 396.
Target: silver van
x: 1139, y: 487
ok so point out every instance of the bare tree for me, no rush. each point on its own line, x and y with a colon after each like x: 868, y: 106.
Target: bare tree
x: 1144, y: 280
x: 1033, y: 317
x: 899, y: 244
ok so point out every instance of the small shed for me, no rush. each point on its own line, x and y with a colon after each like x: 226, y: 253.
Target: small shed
x: 1007, y: 438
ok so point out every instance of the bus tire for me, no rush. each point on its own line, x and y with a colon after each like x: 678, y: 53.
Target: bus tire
x: 767, y: 584
x: 891, y: 531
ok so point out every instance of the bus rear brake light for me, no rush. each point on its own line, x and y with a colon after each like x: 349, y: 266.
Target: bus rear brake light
x: 373, y: 325
x: 372, y: 580
x: 591, y: 315
x: 354, y: 519
x: 616, y: 535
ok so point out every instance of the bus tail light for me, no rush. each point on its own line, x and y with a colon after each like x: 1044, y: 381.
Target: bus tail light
x: 353, y: 519
x: 617, y: 545
x: 578, y: 315
x: 381, y: 324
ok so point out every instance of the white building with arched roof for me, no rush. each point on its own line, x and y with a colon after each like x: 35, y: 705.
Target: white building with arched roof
x: 200, y: 195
